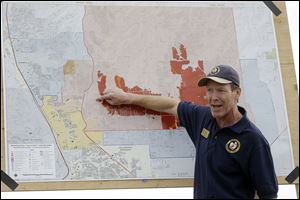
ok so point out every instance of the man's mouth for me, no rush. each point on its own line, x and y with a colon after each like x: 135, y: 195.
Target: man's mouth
x: 216, y: 106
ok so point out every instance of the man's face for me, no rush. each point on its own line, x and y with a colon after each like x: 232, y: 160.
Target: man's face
x: 221, y: 98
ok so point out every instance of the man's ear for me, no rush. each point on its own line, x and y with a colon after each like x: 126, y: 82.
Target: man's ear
x: 239, y: 91
x: 238, y: 94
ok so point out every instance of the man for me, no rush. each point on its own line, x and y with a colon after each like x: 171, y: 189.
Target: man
x: 233, y: 158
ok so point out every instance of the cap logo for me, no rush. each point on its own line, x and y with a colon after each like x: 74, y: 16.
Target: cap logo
x: 215, y: 70
x: 233, y: 146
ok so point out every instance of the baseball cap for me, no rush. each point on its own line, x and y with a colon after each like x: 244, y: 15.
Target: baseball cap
x: 223, y: 74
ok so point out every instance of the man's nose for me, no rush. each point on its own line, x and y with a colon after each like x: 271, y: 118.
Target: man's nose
x: 214, y: 96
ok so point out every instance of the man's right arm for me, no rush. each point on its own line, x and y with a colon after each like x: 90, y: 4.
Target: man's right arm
x: 157, y: 103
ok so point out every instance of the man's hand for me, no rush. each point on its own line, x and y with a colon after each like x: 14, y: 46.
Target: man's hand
x: 157, y: 103
x: 115, y: 97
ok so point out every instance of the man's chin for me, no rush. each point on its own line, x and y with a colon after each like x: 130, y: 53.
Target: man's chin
x: 216, y: 114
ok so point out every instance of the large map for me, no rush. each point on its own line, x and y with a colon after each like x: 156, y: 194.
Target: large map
x: 59, y: 57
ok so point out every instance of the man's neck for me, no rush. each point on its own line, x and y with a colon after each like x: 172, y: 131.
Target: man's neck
x: 230, y: 119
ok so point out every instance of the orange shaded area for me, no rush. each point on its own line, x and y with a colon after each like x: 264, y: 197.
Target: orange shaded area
x: 120, y: 83
x: 101, y: 82
x: 188, y: 90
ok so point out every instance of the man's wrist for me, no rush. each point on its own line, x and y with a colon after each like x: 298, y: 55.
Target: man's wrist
x: 131, y: 98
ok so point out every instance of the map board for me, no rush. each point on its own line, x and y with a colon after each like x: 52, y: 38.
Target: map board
x: 57, y: 58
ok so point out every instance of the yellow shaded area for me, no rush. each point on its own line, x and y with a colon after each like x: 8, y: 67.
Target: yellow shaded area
x: 96, y: 136
x: 68, y: 125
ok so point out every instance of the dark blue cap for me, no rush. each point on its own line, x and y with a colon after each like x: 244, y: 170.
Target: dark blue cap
x: 223, y: 74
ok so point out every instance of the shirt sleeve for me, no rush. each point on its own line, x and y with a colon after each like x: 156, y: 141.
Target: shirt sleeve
x: 263, y: 173
x: 191, y: 117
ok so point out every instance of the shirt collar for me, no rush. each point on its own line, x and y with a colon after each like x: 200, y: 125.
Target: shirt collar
x: 242, y: 123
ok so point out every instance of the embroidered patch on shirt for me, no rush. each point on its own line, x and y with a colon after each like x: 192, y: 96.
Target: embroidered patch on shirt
x: 205, y: 133
x: 233, y: 146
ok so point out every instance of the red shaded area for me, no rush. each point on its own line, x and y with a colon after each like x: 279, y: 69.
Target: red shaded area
x: 168, y: 122
x: 188, y: 90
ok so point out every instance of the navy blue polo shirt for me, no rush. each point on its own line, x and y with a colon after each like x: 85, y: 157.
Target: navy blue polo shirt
x: 231, y: 162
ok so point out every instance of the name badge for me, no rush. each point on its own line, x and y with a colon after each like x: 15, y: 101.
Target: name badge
x: 205, y: 133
